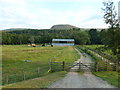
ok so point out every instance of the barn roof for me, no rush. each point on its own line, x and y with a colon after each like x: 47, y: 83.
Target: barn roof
x: 63, y: 40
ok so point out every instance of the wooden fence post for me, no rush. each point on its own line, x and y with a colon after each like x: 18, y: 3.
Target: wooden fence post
x: 50, y: 65
x: 95, y: 67
x: 23, y: 76
x: 38, y: 70
x: 63, y: 66
x: 79, y: 66
x: 7, y: 79
x: 106, y: 65
x: 116, y: 65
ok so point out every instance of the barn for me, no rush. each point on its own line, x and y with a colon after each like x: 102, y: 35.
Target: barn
x: 63, y: 42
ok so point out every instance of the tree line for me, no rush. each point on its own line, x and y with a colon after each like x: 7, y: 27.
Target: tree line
x: 92, y: 36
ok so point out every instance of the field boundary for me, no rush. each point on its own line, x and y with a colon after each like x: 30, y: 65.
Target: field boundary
x: 101, y: 63
x: 37, y: 72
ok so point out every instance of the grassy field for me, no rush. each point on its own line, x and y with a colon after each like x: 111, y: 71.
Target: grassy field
x: 101, y: 48
x: 16, y: 69
x: 111, y: 77
x: 41, y: 82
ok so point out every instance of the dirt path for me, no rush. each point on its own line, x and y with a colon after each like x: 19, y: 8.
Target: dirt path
x: 76, y: 80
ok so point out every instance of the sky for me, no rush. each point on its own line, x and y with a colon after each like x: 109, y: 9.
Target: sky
x: 43, y: 14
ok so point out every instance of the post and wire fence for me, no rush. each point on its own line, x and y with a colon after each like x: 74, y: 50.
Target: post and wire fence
x: 57, y: 66
x: 24, y: 75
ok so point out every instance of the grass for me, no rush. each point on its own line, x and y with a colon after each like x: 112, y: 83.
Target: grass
x: 83, y: 49
x: 81, y: 72
x: 112, y: 77
x: 102, y: 49
x: 14, y: 66
x: 41, y: 82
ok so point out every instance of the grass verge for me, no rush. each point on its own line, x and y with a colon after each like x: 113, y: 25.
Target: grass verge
x: 41, y: 82
x: 112, y: 77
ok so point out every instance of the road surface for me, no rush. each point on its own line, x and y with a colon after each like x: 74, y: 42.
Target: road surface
x: 76, y: 80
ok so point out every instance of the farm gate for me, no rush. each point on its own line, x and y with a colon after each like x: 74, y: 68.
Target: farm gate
x: 65, y: 66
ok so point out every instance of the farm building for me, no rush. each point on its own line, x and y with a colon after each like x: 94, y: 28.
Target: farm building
x: 63, y: 42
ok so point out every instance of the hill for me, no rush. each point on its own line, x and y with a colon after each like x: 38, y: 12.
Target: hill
x: 63, y: 27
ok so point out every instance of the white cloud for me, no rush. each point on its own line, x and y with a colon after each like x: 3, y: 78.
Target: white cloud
x: 22, y: 14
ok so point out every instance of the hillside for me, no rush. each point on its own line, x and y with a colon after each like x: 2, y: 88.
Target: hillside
x: 63, y: 27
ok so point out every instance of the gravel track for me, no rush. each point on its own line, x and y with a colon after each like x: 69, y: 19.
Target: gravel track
x: 76, y: 80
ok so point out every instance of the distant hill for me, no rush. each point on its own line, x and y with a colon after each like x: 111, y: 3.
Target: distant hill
x: 56, y: 27
x: 63, y: 27
x: 21, y: 29
x: 15, y: 29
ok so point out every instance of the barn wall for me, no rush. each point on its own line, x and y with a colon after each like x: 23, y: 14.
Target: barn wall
x: 63, y: 44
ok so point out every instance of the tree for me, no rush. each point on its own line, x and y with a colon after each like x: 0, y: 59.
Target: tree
x: 31, y: 39
x: 81, y: 37
x: 110, y: 14
x: 94, y: 36
x: 113, y: 33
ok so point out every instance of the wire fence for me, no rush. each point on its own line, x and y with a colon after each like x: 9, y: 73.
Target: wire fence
x: 24, y: 75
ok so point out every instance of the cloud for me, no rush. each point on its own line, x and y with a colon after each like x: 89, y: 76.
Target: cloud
x: 25, y: 14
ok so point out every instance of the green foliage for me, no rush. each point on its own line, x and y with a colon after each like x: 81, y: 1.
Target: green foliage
x: 43, y: 36
x: 110, y: 15
x: 105, y: 50
x: 113, y: 34
x: 94, y: 36
x: 81, y: 37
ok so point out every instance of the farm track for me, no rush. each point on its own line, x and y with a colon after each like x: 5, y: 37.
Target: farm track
x: 76, y: 80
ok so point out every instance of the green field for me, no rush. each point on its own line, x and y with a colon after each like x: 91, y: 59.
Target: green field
x: 102, y: 49
x: 40, y: 82
x: 15, y: 68
x: 111, y: 77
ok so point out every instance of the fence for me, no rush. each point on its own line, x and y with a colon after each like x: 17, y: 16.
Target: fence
x: 59, y: 66
x: 101, y: 64
x: 65, y: 66
x: 106, y: 63
x: 106, y: 66
x: 24, y: 75
x: 103, y: 55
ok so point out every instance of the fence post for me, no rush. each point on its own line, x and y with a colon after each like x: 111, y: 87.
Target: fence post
x: 107, y: 66
x: 7, y: 79
x: 23, y: 76
x: 116, y: 65
x: 38, y: 70
x: 63, y: 66
x: 79, y: 65
x: 95, y: 67
x: 50, y: 65
x: 104, y: 66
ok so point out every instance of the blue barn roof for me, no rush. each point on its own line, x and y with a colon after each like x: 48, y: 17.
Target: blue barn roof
x: 63, y: 40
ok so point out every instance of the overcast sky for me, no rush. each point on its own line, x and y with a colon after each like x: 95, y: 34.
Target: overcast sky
x: 46, y: 13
